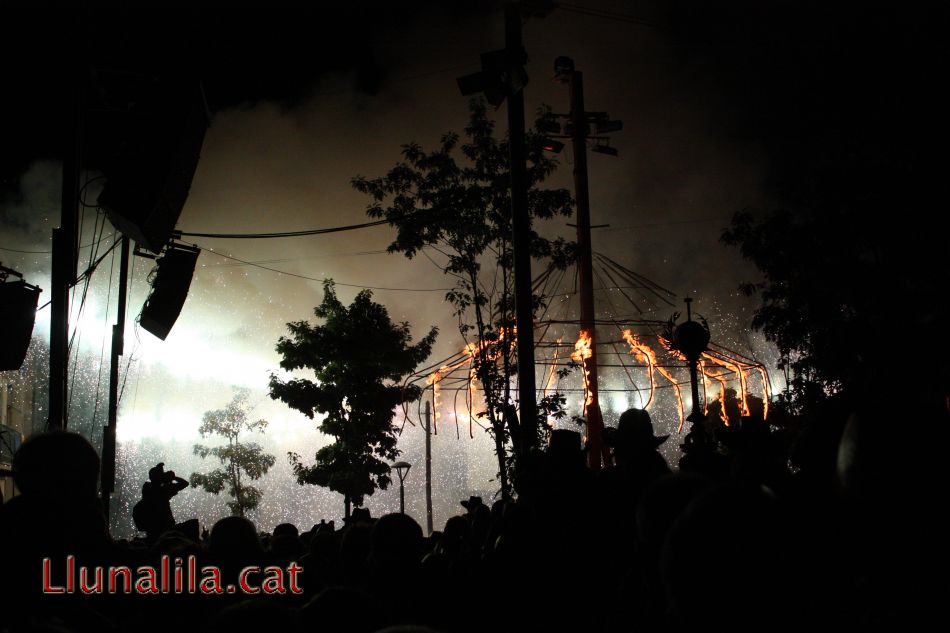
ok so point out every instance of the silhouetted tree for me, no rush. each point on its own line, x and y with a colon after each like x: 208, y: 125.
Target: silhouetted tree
x: 854, y: 168
x: 830, y: 288
x: 461, y: 210
x: 241, y: 460
x: 359, y: 358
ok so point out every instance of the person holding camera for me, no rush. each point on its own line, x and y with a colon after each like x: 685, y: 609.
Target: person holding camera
x: 153, y: 513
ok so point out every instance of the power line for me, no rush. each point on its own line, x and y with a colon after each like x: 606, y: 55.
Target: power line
x: 258, y: 236
x: 15, y: 250
x: 320, y: 279
x: 603, y: 13
x: 381, y: 251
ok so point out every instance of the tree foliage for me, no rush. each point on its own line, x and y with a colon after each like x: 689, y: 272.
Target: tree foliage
x: 854, y: 168
x: 841, y: 297
x: 453, y: 206
x: 359, y: 359
x: 241, y: 461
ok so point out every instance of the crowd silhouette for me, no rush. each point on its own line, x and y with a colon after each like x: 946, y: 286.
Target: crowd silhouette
x: 843, y: 530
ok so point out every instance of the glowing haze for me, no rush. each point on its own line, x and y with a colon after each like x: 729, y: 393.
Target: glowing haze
x: 267, y: 168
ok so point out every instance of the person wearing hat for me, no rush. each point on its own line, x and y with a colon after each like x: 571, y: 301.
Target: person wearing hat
x: 472, y: 504
x: 634, y: 436
x: 635, y: 448
x: 479, y: 517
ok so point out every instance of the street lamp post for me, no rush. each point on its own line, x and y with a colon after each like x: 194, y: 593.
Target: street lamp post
x: 691, y: 339
x: 402, y: 469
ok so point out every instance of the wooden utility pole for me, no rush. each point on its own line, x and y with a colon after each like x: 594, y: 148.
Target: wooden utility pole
x: 65, y: 253
x: 595, y: 422
x: 107, y: 483
x: 428, y: 468
x: 521, y: 241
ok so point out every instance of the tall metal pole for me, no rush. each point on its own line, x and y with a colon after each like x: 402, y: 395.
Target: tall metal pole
x: 595, y: 423
x: 696, y: 416
x: 107, y: 483
x: 428, y: 468
x: 59, y: 330
x: 521, y: 241
x: 65, y: 253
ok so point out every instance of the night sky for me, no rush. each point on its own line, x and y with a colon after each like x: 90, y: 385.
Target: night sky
x: 722, y: 107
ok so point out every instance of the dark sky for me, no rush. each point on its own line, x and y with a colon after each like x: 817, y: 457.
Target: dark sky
x: 726, y: 106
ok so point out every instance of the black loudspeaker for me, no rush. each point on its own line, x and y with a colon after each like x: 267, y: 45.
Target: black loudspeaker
x: 169, y: 289
x: 18, y: 301
x: 149, y: 175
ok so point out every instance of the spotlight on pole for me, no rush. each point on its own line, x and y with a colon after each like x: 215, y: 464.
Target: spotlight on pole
x: 18, y: 301
x: 502, y: 74
x: 604, y: 149
x: 605, y: 127
x: 169, y: 289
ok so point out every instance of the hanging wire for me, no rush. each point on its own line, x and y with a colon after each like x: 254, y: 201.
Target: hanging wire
x: 320, y: 279
x: 102, y: 349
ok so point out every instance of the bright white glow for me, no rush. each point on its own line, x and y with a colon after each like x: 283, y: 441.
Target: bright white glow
x: 618, y: 402
x: 162, y: 423
x: 188, y: 355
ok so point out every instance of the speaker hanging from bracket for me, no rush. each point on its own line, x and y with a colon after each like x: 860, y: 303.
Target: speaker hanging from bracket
x: 170, y: 285
x: 18, y: 301
x: 156, y: 148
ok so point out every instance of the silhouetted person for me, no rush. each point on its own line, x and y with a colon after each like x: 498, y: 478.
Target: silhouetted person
x: 254, y: 616
x: 234, y: 545
x: 57, y: 514
x: 153, y: 514
x: 893, y: 478
x: 727, y: 564
x: 642, y: 598
x: 637, y: 460
x: 478, y: 516
x: 341, y: 610
x: 395, y: 564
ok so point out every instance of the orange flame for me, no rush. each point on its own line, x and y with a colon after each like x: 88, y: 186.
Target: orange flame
x: 582, y: 351
x: 765, y: 391
x: 702, y: 372
x: 723, y: 414
x: 434, y: 379
x: 739, y: 370
x: 643, y: 354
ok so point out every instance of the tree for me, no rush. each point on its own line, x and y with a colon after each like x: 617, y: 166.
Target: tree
x: 241, y: 460
x: 834, y: 294
x: 854, y: 169
x: 460, y: 211
x: 359, y: 359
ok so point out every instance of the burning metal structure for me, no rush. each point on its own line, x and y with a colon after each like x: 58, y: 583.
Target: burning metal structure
x: 640, y: 351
